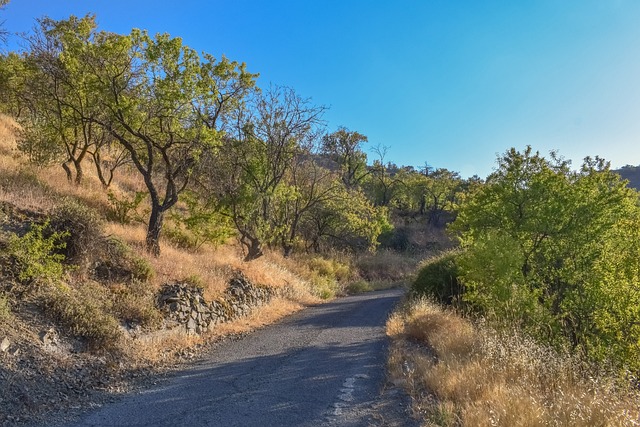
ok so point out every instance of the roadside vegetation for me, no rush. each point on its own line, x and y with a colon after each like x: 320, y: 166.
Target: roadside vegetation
x: 533, y: 318
x: 460, y: 372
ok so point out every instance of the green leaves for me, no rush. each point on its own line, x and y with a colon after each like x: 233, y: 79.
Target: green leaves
x: 556, y: 250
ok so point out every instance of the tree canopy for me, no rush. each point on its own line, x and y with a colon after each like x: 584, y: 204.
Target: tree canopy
x: 556, y: 251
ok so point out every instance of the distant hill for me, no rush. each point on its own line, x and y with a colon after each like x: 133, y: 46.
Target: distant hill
x: 631, y: 173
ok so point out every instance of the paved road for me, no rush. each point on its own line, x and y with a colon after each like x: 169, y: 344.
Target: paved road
x: 322, y: 366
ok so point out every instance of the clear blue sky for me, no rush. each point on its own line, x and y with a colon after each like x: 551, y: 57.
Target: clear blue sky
x: 451, y: 83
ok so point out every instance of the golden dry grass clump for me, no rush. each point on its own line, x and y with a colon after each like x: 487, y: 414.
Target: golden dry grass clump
x: 461, y: 374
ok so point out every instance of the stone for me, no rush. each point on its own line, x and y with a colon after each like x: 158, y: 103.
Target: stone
x: 4, y: 345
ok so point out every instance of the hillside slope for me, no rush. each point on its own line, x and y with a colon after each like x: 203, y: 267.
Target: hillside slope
x: 632, y: 174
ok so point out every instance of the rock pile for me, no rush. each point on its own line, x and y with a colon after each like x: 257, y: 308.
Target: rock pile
x: 184, y: 304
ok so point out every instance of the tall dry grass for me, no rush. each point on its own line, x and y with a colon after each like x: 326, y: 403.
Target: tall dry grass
x: 460, y: 374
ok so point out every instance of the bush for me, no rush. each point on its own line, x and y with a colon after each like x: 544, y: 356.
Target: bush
x: 438, y: 278
x: 83, y: 314
x: 134, y: 303
x: 122, y: 264
x: 35, y: 256
x: 82, y: 230
x: 330, y: 268
x: 324, y: 287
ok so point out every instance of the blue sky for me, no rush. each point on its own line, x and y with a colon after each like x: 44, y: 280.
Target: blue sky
x: 450, y: 83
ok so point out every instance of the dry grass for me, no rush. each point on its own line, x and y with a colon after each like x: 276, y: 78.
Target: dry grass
x: 464, y: 375
x: 385, y: 266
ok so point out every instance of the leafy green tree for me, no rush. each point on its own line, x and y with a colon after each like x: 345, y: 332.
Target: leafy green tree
x: 61, y: 124
x: 346, y: 219
x: 165, y: 106
x: 344, y: 148
x: 13, y: 77
x: 381, y: 184
x: 556, y: 251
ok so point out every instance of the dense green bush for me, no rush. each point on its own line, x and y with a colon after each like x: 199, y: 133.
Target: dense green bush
x: 555, y: 251
x: 35, y: 256
x: 438, y: 278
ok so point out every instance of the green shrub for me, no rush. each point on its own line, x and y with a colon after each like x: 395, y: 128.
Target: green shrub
x: 324, y: 287
x: 124, y: 210
x: 330, y: 268
x: 196, y: 281
x: 438, y: 277
x: 36, y: 257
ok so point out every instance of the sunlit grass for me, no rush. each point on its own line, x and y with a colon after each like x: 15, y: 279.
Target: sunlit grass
x: 460, y: 374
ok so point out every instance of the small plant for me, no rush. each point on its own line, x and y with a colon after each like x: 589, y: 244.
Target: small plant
x: 195, y: 280
x: 123, y: 210
x: 36, y: 256
x: 5, y: 308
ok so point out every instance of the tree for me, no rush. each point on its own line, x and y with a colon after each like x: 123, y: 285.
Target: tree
x: 14, y: 75
x: 346, y: 219
x: 63, y: 108
x: 251, y: 174
x: 159, y: 95
x: 344, y: 147
x: 556, y: 251
x: 431, y: 193
x: 382, y: 183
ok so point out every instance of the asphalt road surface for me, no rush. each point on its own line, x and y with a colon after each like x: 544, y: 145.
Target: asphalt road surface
x: 323, y: 366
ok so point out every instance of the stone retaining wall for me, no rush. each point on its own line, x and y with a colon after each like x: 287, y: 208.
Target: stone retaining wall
x: 183, y: 303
